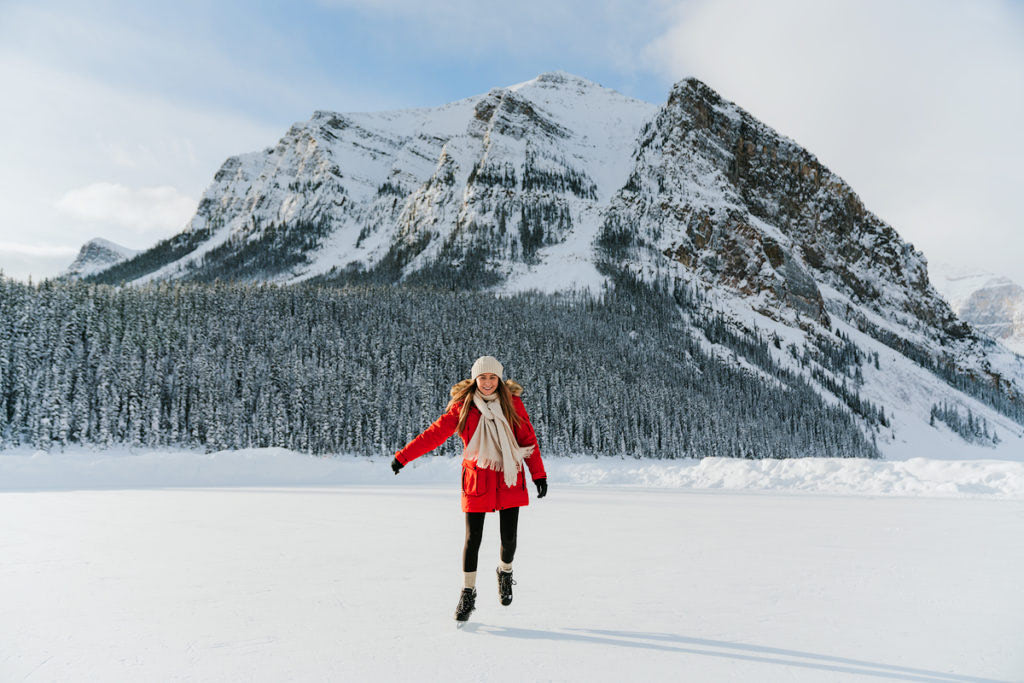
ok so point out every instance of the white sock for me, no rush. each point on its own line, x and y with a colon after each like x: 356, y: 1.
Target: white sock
x: 469, y: 579
x: 504, y: 566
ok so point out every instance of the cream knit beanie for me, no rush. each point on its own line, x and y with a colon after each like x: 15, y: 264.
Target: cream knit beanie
x: 487, y: 364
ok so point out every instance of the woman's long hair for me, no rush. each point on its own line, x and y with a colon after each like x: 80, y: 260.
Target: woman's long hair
x: 463, y: 393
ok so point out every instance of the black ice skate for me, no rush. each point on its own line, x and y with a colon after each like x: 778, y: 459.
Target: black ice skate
x: 467, y: 603
x: 505, y: 584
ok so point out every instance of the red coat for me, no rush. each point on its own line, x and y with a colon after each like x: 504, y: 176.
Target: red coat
x: 483, y: 490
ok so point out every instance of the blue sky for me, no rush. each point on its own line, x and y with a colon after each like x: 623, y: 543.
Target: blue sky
x: 117, y: 114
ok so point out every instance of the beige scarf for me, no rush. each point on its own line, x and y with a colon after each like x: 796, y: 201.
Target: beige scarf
x: 493, y: 445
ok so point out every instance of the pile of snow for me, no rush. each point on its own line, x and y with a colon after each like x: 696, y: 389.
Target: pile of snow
x: 915, y: 477
x: 81, y: 468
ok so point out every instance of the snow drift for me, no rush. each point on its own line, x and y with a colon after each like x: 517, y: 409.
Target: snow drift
x: 81, y: 468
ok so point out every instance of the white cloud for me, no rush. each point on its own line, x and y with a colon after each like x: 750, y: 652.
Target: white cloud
x: 917, y: 104
x: 141, y: 209
x: 37, y: 250
x: 95, y: 94
x: 62, y: 133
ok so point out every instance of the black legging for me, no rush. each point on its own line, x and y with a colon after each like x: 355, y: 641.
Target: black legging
x: 509, y: 519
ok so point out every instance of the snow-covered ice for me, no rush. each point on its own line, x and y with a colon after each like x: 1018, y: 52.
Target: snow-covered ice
x: 305, y: 572
x: 358, y: 583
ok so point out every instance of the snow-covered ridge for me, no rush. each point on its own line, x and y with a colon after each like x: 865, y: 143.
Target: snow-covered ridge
x: 97, y: 255
x: 80, y: 468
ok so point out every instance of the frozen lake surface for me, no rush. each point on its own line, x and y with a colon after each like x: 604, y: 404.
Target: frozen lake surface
x: 359, y: 582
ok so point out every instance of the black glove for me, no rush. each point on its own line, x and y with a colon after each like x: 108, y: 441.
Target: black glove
x: 395, y: 465
x: 542, y: 487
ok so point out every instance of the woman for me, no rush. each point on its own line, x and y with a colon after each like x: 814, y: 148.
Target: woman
x: 495, y: 428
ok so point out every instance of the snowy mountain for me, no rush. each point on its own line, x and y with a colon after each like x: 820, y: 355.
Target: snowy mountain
x: 992, y: 304
x: 539, y: 185
x: 97, y: 255
x: 559, y: 183
x: 510, y: 175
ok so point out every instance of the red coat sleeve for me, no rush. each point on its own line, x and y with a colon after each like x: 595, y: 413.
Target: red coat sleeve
x: 527, y: 437
x: 431, y: 437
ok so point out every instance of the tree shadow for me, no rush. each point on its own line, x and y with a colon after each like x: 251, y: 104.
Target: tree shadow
x: 670, y: 642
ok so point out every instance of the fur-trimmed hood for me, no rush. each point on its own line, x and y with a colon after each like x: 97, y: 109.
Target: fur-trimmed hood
x: 514, y: 388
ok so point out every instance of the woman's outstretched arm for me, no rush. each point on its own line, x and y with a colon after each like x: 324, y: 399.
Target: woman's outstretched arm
x: 431, y: 437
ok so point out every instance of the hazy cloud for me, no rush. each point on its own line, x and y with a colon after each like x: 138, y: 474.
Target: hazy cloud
x: 37, y: 249
x: 141, y: 209
x: 81, y: 159
x: 21, y: 260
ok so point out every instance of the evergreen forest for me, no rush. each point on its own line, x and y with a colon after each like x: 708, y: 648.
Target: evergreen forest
x: 364, y: 368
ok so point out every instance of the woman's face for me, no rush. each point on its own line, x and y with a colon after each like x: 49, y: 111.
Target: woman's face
x: 487, y: 383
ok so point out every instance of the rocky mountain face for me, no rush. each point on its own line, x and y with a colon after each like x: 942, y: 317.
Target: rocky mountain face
x: 738, y: 204
x: 97, y: 255
x: 990, y: 303
x: 559, y: 183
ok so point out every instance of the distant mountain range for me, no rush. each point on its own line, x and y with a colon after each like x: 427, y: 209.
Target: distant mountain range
x: 991, y: 303
x: 559, y: 183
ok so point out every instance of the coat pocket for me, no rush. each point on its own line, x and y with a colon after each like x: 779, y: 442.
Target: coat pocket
x: 470, y: 479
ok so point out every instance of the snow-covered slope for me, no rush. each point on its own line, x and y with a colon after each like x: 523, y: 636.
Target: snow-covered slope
x: 97, y: 255
x: 991, y: 303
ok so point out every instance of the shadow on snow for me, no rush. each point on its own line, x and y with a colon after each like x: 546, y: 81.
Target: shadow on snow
x: 669, y: 642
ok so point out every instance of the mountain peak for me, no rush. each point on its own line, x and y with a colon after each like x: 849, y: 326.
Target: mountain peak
x: 697, y: 97
x: 97, y: 255
x: 694, y: 83
x: 556, y: 78
x: 561, y: 81
x: 101, y: 243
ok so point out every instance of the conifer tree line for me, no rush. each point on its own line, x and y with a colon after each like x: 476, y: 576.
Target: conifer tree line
x: 972, y: 429
x: 362, y: 369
